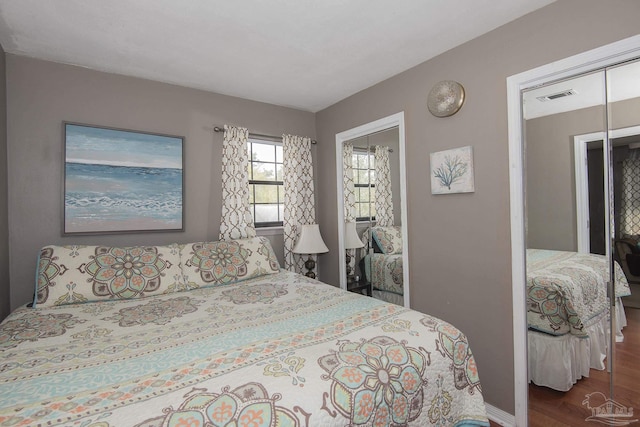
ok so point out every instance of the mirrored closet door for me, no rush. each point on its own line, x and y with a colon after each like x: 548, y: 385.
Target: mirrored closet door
x: 372, y: 210
x: 623, y: 107
x: 582, y: 226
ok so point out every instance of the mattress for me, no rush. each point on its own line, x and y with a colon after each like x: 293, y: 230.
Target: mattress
x: 279, y: 350
x: 566, y: 290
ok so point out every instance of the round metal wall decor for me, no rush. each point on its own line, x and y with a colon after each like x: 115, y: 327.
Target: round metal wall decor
x: 445, y: 98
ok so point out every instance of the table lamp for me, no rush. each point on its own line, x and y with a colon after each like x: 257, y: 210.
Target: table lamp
x: 310, y: 242
x: 351, y: 241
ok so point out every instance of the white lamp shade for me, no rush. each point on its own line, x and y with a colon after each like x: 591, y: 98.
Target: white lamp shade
x: 310, y: 241
x: 351, y: 239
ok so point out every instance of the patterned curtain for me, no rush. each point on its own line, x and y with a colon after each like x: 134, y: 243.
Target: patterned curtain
x: 384, y: 201
x: 237, y: 221
x: 630, y: 204
x: 347, y: 179
x: 299, y: 204
x: 349, y: 193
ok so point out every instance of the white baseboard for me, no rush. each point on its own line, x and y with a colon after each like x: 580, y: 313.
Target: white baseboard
x: 499, y: 416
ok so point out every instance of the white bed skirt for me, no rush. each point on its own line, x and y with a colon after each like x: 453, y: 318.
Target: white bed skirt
x: 558, y: 362
x: 621, y: 319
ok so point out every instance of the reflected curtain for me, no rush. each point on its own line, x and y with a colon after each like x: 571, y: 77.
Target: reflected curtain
x: 349, y: 193
x: 383, y: 198
x: 299, y: 203
x: 237, y: 221
x: 630, y: 203
x: 347, y: 179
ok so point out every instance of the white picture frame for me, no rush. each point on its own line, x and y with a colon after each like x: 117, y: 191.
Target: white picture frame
x: 452, y: 171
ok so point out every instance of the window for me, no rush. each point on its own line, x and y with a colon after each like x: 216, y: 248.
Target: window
x: 266, y: 188
x: 364, y: 178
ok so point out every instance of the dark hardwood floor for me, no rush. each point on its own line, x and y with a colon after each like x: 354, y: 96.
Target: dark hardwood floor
x: 550, y: 408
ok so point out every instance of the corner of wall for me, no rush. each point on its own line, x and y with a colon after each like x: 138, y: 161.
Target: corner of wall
x: 4, y: 211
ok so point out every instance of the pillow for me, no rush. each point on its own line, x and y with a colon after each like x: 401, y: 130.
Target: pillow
x: 389, y: 239
x: 74, y: 274
x: 227, y: 261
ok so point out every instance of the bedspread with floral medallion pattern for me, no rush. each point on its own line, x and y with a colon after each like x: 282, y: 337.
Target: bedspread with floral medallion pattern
x: 567, y: 289
x: 385, y: 272
x: 279, y: 350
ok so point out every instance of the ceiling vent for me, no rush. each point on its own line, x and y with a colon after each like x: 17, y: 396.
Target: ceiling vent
x: 557, y: 95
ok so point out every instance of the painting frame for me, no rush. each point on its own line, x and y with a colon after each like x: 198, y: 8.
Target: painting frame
x: 121, y: 180
x: 452, y: 171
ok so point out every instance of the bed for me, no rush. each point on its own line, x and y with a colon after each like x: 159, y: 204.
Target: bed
x: 383, y: 267
x: 384, y: 272
x: 217, y: 334
x: 568, y: 315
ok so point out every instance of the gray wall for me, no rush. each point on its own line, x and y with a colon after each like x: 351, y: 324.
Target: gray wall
x: 551, y: 186
x: 40, y: 95
x: 4, y: 231
x: 459, y: 245
x: 550, y: 159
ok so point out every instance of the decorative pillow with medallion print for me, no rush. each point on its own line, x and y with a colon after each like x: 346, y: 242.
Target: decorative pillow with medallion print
x: 76, y: 274
x: 389, y: 239
x: 227, y: 261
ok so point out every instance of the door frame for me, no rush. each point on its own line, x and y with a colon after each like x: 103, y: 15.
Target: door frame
x: 582, y: 179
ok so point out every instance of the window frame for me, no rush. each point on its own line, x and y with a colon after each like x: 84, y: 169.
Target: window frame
x: 278, y: 183
x: 369, y: 185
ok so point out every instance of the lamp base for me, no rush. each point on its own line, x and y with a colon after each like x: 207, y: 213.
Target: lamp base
x: 310, y: 264
x: 349, y: 269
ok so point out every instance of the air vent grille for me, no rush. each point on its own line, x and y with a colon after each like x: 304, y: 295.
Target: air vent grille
x: 557, y: 95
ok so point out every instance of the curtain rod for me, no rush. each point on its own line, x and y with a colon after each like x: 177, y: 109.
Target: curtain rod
x: 258, y: 135
x: 372, y: 148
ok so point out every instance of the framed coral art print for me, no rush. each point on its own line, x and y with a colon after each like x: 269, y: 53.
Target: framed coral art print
x: 452, y: 171
x: 118, y: 181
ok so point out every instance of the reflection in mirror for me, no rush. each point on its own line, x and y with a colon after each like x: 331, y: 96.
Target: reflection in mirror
x: 567, y: 304
x: 576, y: 202
x: 371, y: 180
x: 371, y: 173
x: 623, y: 93
x: 359, y: 211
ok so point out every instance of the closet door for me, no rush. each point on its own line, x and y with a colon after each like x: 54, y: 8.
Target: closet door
x: 567, y: 232
x: 614, y: 389
x: 623, y: 117
x: 358, y: 173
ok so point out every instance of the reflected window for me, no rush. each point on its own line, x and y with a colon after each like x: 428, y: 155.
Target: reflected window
x: 266, y: 187
x: 364, y: 181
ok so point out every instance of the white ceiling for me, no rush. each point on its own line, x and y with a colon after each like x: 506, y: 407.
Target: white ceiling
x: 306, y: 54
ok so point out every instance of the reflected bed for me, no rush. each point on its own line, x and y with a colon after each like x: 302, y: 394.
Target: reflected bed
x: 384, y: 272
x: 383, y: 267
x: 568, y: 315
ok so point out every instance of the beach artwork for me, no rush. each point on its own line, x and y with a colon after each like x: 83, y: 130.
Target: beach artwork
x: 121, y: 181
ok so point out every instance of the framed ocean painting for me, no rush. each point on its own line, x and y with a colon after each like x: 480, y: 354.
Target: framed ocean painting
x: 118, y: 181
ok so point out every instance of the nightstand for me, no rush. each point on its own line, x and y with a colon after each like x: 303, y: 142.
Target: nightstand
x: 359, y: 285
